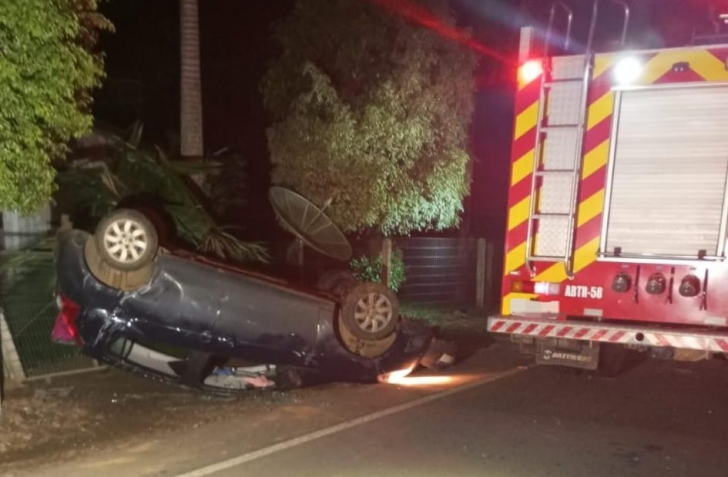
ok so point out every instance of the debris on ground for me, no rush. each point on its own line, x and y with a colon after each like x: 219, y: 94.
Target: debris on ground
x: 241, y: 378
x: 53, y: 392
x: 440, y: 355
x: 32, y: 420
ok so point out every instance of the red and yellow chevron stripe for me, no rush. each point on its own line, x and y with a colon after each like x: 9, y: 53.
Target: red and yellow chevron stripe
x: 705, y: 65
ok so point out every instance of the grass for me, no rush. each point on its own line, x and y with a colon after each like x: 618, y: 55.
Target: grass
x: 437, y: 315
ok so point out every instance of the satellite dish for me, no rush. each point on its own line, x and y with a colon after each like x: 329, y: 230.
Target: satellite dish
x: 309, y: 223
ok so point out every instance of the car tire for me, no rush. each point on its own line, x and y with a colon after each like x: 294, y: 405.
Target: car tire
x: 125, y: 280
x: 160, y: 222
x: 337, y: 282
x: 126, y: 240
x: 370, y: 311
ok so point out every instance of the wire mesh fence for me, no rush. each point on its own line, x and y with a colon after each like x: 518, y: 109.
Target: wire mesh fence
x: 28, y: 301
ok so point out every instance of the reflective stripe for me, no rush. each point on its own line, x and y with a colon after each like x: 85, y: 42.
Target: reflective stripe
x: 610, y: 333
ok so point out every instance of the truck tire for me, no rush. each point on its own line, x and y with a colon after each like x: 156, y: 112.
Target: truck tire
x: 612, y: 360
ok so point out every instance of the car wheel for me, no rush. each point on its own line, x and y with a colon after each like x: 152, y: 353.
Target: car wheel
x: 160, y: 222
x: 126, y: 240
x: 370, y: 311
x: 338, y: 282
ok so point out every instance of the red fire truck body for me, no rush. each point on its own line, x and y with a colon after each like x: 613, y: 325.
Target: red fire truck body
x: 618, y: 205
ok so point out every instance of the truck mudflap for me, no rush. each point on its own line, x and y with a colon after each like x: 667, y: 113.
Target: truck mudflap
x: 652, y: 336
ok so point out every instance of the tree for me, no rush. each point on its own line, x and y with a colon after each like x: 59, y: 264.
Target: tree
x: 47, y: 74
x: 190, y: 90
x: 373, y: 112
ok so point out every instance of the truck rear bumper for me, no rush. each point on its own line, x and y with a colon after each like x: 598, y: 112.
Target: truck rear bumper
x: 539, y: 327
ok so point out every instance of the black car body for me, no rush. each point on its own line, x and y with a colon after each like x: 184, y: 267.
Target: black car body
x: 217, y: 312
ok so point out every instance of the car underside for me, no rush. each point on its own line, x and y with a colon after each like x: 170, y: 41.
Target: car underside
x: 187, y: 319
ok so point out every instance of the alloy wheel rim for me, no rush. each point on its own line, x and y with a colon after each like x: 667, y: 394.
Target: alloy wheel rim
x: 373, y: 312
x: 125, y: 240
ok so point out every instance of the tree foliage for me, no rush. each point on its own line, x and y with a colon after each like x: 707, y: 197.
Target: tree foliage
x: 47, y: 73
x: 373, y: 112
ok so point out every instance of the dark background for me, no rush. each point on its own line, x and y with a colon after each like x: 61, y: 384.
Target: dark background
x: 142, y: 62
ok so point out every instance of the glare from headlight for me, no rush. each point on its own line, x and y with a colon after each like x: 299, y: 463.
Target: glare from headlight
x: 402, y: 377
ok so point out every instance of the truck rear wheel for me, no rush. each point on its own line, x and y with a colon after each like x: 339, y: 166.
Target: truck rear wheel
x: 612, y: 360
x: 569, y: 371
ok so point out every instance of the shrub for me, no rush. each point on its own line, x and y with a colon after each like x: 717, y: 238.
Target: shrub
x: 47, y: 73
x: 367, y: 270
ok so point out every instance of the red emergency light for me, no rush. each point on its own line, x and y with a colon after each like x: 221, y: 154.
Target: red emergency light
x: 530, y: 70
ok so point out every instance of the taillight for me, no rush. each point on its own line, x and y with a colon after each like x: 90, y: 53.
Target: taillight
x: 518, y: 286
x: 65, y: 330
x: 622, y: 283
x: 539, y: 288
x: 689, y: 286
x: 656, y: 284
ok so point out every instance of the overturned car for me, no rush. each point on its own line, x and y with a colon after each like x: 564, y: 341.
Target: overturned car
x: 185, y: 318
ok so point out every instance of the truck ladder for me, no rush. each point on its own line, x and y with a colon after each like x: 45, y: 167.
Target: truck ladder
x: 553, y: 219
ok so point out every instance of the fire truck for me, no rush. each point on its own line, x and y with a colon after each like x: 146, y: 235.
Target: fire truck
x: 618, y: 201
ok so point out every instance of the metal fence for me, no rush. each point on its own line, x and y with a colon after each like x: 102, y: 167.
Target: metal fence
x: 444, y: 271
x: 439, y: 271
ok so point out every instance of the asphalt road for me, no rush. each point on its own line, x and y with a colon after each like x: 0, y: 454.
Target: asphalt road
x: 660, y: 418
x: 657, y: 420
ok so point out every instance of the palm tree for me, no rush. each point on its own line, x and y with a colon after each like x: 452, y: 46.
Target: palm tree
x: 191, y: 93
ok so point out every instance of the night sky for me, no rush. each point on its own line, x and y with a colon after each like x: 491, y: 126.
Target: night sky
x: 142, y: 60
